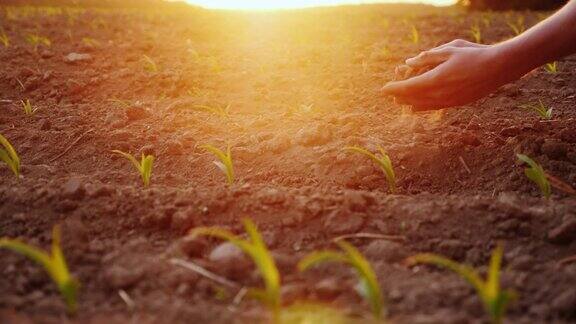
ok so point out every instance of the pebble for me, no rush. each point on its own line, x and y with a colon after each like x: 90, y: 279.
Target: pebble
x: 77, y: 57
x: 563, y: 234
x: 328, y: 288
x: 230, y: 261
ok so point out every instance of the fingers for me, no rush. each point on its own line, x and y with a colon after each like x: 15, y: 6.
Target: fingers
x: 430, y: 58
x: 421, y: 83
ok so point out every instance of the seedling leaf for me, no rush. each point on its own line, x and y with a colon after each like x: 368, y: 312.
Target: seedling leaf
x: 536, y: 174
x: 383, y: 161
x: 144, y: 166
x: 224, y: 162
x: 9, y: 156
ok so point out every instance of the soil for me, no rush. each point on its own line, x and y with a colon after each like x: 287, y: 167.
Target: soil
x: 301, y: 86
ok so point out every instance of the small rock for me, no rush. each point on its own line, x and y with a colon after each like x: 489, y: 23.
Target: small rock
x: 563, y: 234
x: 46, y: 54
x: 385, y: 250
x: 74, y: 189
x: 230, y: 260
x: 76, y: 57
x: 328, y: 288
x: 554, y: 149
x: 340, y: 222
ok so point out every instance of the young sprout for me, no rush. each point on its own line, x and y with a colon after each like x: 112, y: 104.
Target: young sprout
x: 4, y: 38
x: 383, y: 161
x: 552, y: 67
x: 144, y: 167
x: 54, y: 264
x: 536, y: 174
x: 256, y: 249
x: 476, y: 33
x: 369, y: 287
x: 224, y: 162
x: 495, y: 299
x: 149, y: 64
x: 9, y: 156
x: 37, y: 40
x: 543, y: 111
x: 223, y: 112
x: 518, y: 26
x: 27, y: 106
x: 414, y: 34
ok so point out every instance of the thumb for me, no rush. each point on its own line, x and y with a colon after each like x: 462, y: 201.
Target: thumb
x: 430, y: 58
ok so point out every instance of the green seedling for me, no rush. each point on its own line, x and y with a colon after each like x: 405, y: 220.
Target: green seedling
x: 144, y: 167
x: 518, y: 26
x: 90, y: 42
x: 383, y: 161
x: 9, y: 156
x: 536, y: 174
x: 542, y: 111
x: 369, y: 287
x: 256, y: 249
x: 4, y: 38
x: 27, y: 107
x: 495, y: 299
x: 224, y: 162
x: 552, y: 67
x: 476, y: 33
x: 37, y: 40
x: 149, y: 64
x: 54, y: 264
x: 414, y: 34
x: 221, y: 111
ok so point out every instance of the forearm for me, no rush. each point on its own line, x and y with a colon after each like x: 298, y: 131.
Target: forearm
x: 550, y: 40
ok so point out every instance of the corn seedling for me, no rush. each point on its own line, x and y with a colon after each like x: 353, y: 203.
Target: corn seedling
x: 383, y: 161
x: 518, y: 26
x: 54, y: 264
x: 9, y: 156
x: 4, y: 38
x: 256, y: 249
x: 476, y: 33
x: 27, y: 107
x: 144, y: 167
x: 223, y: 112
x: 368, y: 285
x: 414, y: 34
x: 536, y: 174
x: 149, y: 64
x: 542, y: 111
x: 224, y: 162
x: 495, y: 299
x: 36, y: 40
x: 552, y: 67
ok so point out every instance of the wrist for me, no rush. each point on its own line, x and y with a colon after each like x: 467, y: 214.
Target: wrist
x: 510, y: 58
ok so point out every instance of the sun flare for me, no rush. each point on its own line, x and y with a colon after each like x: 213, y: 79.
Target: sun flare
x: 291, y: 4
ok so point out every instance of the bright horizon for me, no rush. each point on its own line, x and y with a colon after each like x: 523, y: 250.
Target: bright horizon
x: 289, y: 4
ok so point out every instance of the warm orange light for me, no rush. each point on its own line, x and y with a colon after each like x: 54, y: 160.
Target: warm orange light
x: 287, y: 4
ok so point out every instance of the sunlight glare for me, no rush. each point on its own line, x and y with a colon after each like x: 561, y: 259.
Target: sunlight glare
x: 289, y: 4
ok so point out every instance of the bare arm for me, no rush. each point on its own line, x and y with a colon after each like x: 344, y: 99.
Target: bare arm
x: 462, y: 72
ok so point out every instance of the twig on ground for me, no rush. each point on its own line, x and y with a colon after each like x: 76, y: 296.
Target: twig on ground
x: 568, y: 260
x: 373, y: 236
x: 127, y: 299
x: 71, y: 145
x: 464, y: 164
x: 204, y: 272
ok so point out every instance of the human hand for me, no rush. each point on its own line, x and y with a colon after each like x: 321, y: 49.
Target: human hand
x: 453, y: 74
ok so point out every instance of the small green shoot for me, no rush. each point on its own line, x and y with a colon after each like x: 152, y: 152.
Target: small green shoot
x: 518, y: 26
x: 541, y: 109
x: 27, y: 107
x: 9, y: 156
x: 221, y: 111
x: 54, y: 264
x: 476, y: 33
x: 224, y: 162
x: 149, y: 64
x: 552, y: 67
x: 37, y: 40
x: 4, y: 39
x: 369, y: 287
x: 495, y: 299
x: 383, y: 161
x: 256, y: 249
x: 536, y: 174
x: 414, y: 34
x: 144, y: 167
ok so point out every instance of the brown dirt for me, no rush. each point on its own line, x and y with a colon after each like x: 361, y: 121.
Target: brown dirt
x: 301, y: 86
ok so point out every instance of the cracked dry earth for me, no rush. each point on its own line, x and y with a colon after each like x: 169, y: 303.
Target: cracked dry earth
x: 301, y: 86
